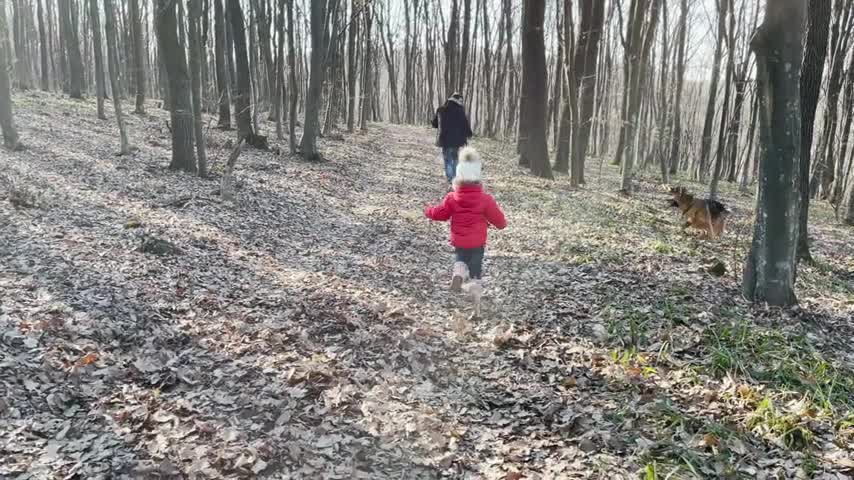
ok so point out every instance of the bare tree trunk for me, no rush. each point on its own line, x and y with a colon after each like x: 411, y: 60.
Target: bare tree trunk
x: 464, y: 52
x: 823, y: 172
x: 352, y: 64
x: 570, y: 86
x: 751, y: 159
x: 728, y: 6
x: 451, y: 50
x: 641, y: 35
x: 280, y: 70
x: 367, y: 83
x: 706, y: 144
x: 7, y: 121
x: 138, y: 55
x: 770, y: 270
x: 292, y: 82
x: 100, y: 84
x: 113, y: 64
x: 194, y: 10
x: 535, y: 148
x: 587, y: 52
x: 243, y: 94
x: 311, y: 127
x: 43, y: 49
x: 676, y: 124
x: 71, y: 45
x: 810, y: 84
x: 222, y: 77
x: 181, y: 109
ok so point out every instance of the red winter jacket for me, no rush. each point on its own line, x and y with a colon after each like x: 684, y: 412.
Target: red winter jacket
x: 471, y: 211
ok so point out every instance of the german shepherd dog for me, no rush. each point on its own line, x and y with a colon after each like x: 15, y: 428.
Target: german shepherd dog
x: 706, y: 215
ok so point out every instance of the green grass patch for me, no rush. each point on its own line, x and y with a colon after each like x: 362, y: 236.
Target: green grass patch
x: 790, y: 429
x: 784, y: 363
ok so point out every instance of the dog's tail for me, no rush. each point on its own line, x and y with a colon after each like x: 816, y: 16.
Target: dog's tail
x: 717, y: 209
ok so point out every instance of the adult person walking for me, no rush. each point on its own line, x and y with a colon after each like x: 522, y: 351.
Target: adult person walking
x: 454, y: 131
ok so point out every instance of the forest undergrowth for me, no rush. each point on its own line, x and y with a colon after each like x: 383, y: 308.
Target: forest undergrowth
x: 306, y: 330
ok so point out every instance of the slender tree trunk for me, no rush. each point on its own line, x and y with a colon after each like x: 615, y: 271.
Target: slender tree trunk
x: 100, y: 84
x: 452, y: 50
x: 770, y: 270
x: 43, y: 49
x: 587, y: 52
x: 368, y: 83
x: 810, y: 84
x: 569, y: 105
x: 138, y: 54
x: 728, y: 6
x: 751, y: 159
x: 7, y: 121
x: 676, y: 125
x: 292, y: 82
x: 280, y: 70
x: 706, y: 143
x: 243, y: 94
x: 823, y: 173
x: 464, y: 52
x: 194, y: 10
x: 113, y: 64
x: 181, y: 109
x: 352, y: 35
x: 221, y: 49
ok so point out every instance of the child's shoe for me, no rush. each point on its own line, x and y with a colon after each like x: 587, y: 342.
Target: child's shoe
x: 460, y: 275
x: 475, y: 290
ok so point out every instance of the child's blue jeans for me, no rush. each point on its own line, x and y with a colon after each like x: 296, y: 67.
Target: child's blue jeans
x: 450, y: 155
x: 473, y: 258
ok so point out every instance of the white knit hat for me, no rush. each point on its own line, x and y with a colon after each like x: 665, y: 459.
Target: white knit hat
x: 468, y: 167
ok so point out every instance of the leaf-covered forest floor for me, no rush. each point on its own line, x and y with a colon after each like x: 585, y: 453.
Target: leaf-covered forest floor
x: 307, y: 330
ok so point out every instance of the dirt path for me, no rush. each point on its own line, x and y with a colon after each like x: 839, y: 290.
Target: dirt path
x: 307, y: 331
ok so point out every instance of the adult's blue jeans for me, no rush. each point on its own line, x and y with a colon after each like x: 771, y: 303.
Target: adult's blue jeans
x: 450, y: 156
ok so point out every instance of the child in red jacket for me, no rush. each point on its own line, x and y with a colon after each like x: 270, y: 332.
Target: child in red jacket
x: 471, y: 211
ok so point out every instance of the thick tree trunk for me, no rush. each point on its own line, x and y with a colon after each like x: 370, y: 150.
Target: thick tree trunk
x: 180, y: 108
x: 194, y: 10
x: 535, y: 148
x: 770, y: 270
x: 113, y: 64
x: 311, y: 128
x: 243, y: 93
x: 7, y: 121
x: 810, y: 84
x: 138, y: 54
x: 71, y: 45
x: 100, y: 84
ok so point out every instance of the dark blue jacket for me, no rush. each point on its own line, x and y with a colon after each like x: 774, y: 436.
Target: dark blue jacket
x: 453, y: 125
